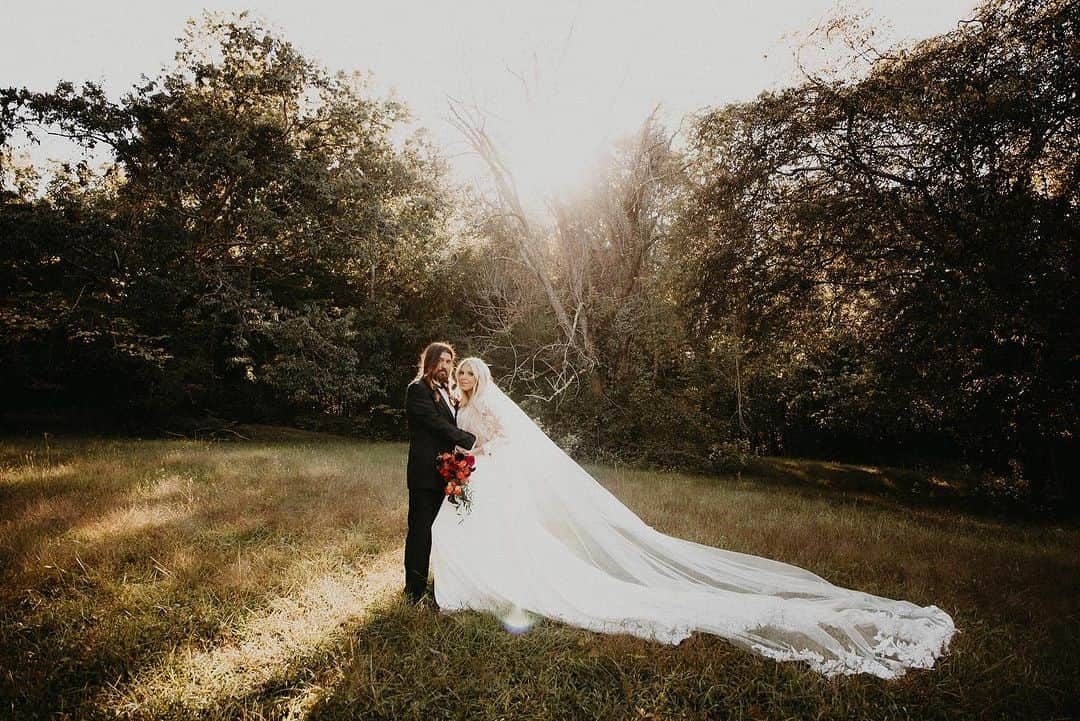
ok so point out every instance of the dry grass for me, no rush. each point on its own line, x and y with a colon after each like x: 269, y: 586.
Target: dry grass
x: 151, y: 579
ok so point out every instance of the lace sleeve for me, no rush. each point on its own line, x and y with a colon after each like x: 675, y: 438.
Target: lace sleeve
x: 493, y: 433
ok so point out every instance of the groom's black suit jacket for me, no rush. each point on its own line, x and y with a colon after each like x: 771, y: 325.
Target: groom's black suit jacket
x: 432, y: 430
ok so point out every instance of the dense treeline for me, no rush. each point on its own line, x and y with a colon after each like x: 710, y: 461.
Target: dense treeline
x: 897, y: 256
x: 259, y: 249
x: 881, y: 268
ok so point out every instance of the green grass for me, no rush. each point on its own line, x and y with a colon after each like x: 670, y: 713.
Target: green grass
x: 252, y: 580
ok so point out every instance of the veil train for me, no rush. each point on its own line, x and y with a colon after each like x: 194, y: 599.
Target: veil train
x: 554, y: 542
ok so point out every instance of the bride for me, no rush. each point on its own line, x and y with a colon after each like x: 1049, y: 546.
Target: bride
x: 544, y: 538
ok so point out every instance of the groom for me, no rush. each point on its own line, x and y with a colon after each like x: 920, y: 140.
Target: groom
x: 432, y: 418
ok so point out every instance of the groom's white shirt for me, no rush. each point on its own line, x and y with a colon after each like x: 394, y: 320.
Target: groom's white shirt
x: 446, y: 397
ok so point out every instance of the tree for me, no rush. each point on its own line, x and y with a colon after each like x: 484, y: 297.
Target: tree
x: 923, y: 216
x: 256, y: 227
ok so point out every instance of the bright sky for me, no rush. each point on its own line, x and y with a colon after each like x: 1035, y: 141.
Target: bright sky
x: 559, y: 79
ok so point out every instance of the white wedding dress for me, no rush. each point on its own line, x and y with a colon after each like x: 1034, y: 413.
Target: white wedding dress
x: 544, y: 538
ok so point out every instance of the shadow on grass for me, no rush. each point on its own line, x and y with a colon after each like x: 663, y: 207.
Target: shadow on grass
x: 174, y: 560
x: 114, y: 552
x: 405, y: 663
x: 901, y: 487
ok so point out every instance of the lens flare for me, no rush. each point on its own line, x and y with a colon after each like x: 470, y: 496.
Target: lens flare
x: 517, y: 620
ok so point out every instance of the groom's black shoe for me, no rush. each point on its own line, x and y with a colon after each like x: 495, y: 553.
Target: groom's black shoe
x: 426, y: 600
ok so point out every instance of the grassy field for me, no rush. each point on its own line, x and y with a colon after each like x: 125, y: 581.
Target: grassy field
x: 251, y: 580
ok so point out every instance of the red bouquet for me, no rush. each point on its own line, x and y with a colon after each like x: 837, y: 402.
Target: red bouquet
x: 455, y: 469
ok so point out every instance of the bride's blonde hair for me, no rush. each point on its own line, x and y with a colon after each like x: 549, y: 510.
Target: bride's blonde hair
x: 481, y: 373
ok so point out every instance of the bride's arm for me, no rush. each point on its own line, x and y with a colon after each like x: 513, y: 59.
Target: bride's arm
x: 493, y: 436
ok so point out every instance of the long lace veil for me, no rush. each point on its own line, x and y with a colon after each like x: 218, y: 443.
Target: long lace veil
x: 773, y: 608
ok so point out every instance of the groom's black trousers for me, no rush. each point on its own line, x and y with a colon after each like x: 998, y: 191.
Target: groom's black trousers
x: 424, y: 505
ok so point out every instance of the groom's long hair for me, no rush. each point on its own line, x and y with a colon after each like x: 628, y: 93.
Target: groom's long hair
x: 429, y: 358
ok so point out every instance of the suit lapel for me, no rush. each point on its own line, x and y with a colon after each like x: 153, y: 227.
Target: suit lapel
x: 443, y: 407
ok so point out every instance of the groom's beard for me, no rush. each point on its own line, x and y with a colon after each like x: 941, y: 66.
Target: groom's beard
x: 441, y: 377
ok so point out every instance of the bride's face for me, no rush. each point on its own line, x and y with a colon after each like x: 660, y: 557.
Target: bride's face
x: 466, y: 379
